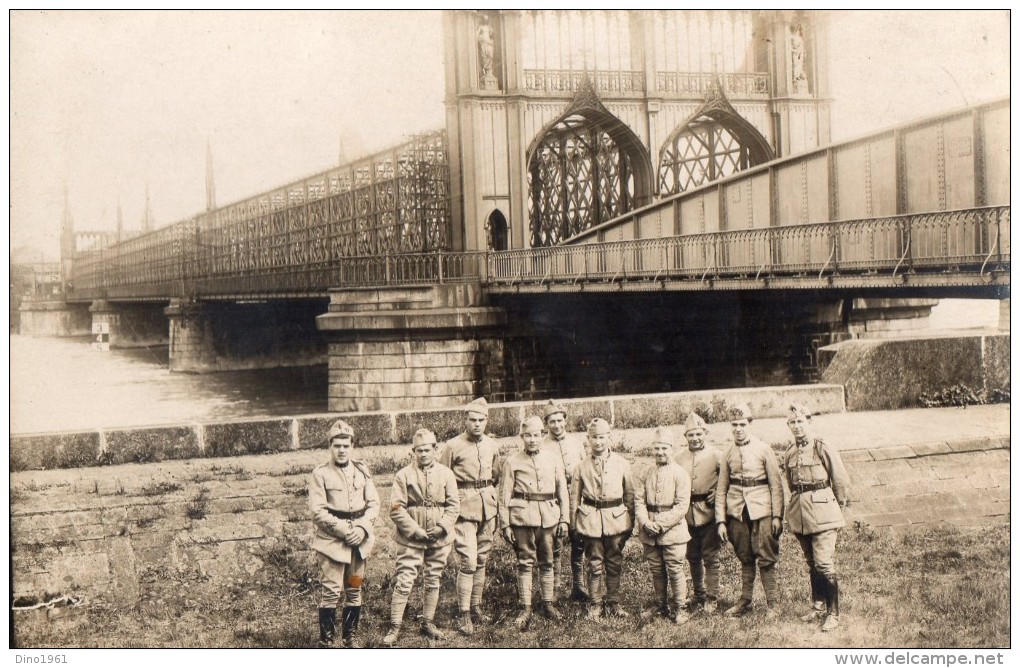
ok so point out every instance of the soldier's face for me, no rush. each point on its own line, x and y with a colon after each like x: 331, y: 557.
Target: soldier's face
x: 798, y: 426
x: 695, y: 439
x: 476, y: 424
x: 598, y: 443
x: 661, y: 452
x: 340, y: 450
x: 557, y: 424
x: 425, y: 454
x: 532, y: 439
x: 739, y: 429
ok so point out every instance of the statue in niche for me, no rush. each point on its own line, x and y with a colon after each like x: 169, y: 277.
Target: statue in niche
x: 486, y: 51
x: 800, y: 83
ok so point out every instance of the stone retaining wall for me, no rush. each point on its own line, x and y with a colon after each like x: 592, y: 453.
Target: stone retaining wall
x: 265, y: 435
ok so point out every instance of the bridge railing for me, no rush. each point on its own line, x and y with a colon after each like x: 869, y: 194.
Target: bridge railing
x: 973, y: 239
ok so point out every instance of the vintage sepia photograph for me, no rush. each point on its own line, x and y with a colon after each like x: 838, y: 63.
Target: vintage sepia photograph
x: 511, y: 329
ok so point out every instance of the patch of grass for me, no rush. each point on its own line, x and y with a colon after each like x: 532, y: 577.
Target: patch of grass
x: 293, y: 470
x: 160, y: 489
x: 198, y: 507
x: 386, y: 464
x: 239, y: 472
x: 145, y: 522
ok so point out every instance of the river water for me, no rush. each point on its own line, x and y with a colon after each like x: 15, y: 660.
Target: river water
x: 62, y: 384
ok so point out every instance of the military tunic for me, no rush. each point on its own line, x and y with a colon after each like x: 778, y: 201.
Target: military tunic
x: 819, y: 486
x: 570, y: 449
x: 601, y: 505
x: 703, y: 548
x: 346, y: 490
x: 664, y: 499
x: 748, y: 496
x: 422, y: 498
x: 533, y: 500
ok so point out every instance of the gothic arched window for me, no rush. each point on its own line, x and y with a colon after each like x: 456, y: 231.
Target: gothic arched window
x: 581, y: 174
x: 706, y: 149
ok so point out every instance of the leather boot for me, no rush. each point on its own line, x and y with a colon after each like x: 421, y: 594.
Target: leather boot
x: 578, y: 592
x: 351, y: 617
x: 831, y: 603
x: 465, y: 625
x: 743, y: 606
x: 819, y: 595
x: 327, y: 626
x: 697, y: 584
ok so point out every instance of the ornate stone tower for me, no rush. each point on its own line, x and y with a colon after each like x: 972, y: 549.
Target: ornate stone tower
x: 562, y: 119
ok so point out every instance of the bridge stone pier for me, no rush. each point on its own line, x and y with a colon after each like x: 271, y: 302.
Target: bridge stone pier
x: 128, y: 325
x: 230, y: 336
x: 413, y: 347
x: 49, y: 317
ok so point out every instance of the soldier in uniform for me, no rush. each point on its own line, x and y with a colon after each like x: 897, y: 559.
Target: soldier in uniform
x: 534, y: 504
x: 660, y: 506
x: 601, y: 506
x: 344, y: 505
x: 472, y: 457
x: 570, y: 450
x: 702, y: 464
x: 819, y: 488
x: 424, y: 507
x: 749, y: 510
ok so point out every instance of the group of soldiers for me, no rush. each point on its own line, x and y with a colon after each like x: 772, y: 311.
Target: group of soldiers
x: 560, y: 493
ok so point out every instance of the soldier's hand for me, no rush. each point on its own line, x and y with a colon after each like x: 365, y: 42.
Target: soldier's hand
x: 419, y: 534
x: 651, y: 528
x: 723, y: 535
x: 436, y: 532
x: 777, y: 527
x: 340, y: 533
x: 562, y: 529
x: 356, y: 536
x: 508, y: 535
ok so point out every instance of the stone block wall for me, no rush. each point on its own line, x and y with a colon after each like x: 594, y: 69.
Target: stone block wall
x: 267, y: 435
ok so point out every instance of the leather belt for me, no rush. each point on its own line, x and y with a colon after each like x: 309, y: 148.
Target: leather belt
x: 608, y: 503
x: 423, y: 504
x: 659, y: 509
x: 700, y: 497
x: 535, y: 496
x: 475, y: 484
x: 809, y: 486
x: 345, y: 515
x: 748, y: 482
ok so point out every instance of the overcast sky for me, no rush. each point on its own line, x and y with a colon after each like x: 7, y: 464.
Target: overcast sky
x: 108, y: 102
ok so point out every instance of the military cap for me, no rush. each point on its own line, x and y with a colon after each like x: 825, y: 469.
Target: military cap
x: 741, y: 412
x: 598, y: 426
x: 422, y: 437
x: 693, y: 422
x: 479, y: 406
x: 662, y: 436
x: 533, y: 423
x: 552, y: 408
x: 340, y: 429
x: 797, y: 410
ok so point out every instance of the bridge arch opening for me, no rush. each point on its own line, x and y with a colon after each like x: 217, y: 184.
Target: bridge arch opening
x: 497, y: 231
x: 586, y: 168
x: 713, y: 144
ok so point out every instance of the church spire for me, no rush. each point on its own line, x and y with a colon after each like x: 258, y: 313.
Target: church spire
x: 147, y: 216
x: 210, y: 185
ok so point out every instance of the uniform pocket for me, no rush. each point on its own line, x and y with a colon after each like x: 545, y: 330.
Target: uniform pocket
x: 619, y: 511
x: 824, y: 508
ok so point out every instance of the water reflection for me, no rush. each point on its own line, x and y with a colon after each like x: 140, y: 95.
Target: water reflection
x: 62, y: 384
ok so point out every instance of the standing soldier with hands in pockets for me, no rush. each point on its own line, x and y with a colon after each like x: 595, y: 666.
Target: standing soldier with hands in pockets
x: 533, y: 508
x: 344, y: 504
x: 819, y: 489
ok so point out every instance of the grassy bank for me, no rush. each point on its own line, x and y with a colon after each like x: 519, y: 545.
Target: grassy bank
x: 931, y: 587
